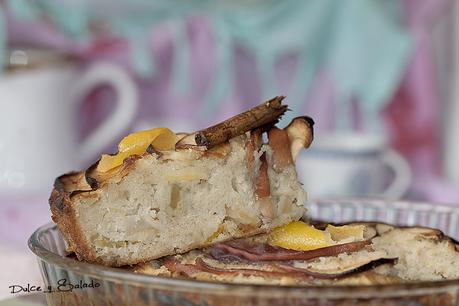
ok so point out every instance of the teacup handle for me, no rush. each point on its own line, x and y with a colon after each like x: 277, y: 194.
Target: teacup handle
x: 402, y: 171
x: 124, y: 111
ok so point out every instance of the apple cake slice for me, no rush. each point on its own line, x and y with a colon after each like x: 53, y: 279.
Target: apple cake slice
x: 165, y: 193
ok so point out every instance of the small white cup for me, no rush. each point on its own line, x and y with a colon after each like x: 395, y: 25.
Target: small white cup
x: 352, y: 164
x: 38, y: 122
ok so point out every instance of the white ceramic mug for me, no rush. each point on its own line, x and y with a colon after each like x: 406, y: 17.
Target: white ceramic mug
x: 352, y: 164
x: 38, y: 122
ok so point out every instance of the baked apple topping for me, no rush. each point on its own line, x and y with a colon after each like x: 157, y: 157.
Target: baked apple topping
x: 295, y: 250
x: 300, y: 236
x: 136, y: 144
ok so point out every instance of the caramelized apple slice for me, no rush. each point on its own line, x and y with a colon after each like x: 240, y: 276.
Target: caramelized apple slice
x: 299, y: 236
x: 346, y: 232
x: 161, y: 139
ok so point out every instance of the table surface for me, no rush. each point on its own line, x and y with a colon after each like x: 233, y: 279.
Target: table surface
x: 34, y: 299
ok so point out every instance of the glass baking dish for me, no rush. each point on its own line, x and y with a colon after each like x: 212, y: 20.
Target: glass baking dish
x: 70, y: 282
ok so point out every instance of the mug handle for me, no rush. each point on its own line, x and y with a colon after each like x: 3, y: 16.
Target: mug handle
x: 122, y: 114
x: 402, y: 171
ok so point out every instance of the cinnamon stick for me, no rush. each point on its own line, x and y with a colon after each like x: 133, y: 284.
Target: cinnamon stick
x: 258, y: 116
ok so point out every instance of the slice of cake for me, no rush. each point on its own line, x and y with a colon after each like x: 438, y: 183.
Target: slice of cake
x: 165, y: 193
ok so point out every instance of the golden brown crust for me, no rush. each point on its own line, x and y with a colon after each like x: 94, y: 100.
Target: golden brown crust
x: 63, y: 214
